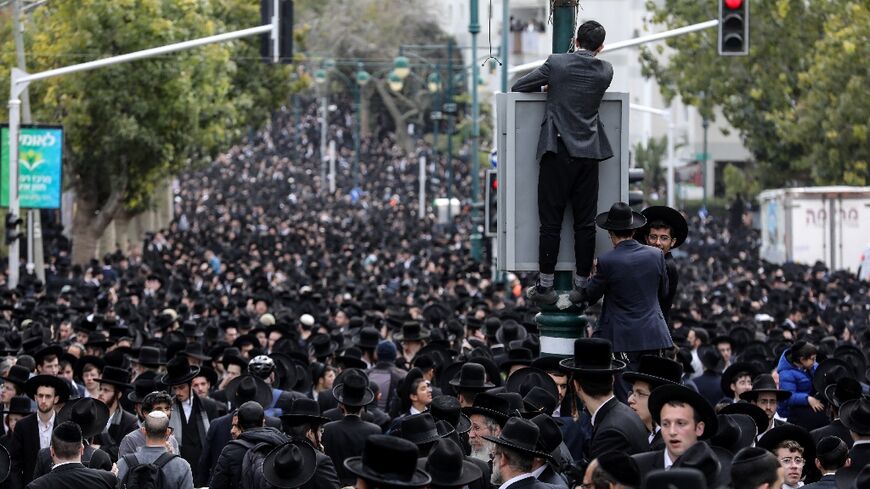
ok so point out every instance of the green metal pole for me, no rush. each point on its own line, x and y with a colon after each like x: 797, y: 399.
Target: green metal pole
x: 706, y: 125
x: 476, y: 236
x: 356, y: 143
x: 560, y: 327
x: 450, y: 119
x: 436, y: 122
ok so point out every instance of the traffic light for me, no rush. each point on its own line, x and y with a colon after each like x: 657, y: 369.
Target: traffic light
x: 635, y: 175
x: 733, y: 27
x: 491, y: 210
x: 12, y: 223
x: 285, y: 31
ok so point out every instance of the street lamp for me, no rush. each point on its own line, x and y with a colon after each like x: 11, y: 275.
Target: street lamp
x: 395, y: 81
x: 362, y: 78
x: 401, y: 67
x: 434, y: 82
x: 320, y: 77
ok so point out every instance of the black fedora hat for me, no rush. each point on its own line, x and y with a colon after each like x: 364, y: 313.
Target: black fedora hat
x: 351, y: 358
x: 538, y: 401
x: 510, y: 330
x: 668, y: 215
x: 853, y: 356
x: 855, y: 415
x: 290, y: 465
x: 447, y: 466
x: 194, y: 350
x: 419, y: 429
x: 368, y: 337
x: 516, y: 356
x: 671, y: 392
x: 18, y: 375
x: 592, y: 356
x: 655, y: 371
x: 388, y: 461
x: 234, y: 358
x: 150, y: 356
x: 90, y: 414
x: 321, y: 345
x: 550, y: 435
x: 702, y: 457
x: 447, y: 408
x: 491, y: 406
x: 18, y: 405
x: 675, y: 478
x: 471, y: 378
x: 61, y: 387
x: 354, y: 389
x: 99, y: 340
x: 549, y: 365
x: 524, y: 379
x: 248, y: 387
x: 620, y: 217
x: 747, y: 408
x: 142, y: 387
x: 764, y: 383
x: 733, y: 370
x: 729, y: 435
x: 303, y: 411
x: 115, y: 376
x: 778, y: 434
x: 828, y: 372
x: 853, y: 477
x: 412, y: 331
x: 179, y: 371
x: 846, y: 389
x: 519, y: 434
x: 191, y: 330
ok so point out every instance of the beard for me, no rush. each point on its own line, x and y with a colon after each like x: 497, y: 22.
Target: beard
x: 495, y: 478
x: 484, y: 453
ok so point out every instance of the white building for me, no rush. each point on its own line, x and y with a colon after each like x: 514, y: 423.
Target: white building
x: 623, y: 19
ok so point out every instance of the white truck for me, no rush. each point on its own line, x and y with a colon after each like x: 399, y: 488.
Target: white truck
x: 809, y: 224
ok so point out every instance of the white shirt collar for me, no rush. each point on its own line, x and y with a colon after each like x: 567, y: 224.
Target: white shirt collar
x: 668, y: 461
x: 860, y: 442
x: 599, y: 409
x: 515, y: 479
x: 50, y: 421
x: 652, y: 435
x: 414, y: 410
x: 64, y: 463
x: 540, y: 470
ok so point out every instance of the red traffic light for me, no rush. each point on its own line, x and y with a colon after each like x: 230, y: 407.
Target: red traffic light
x: 734, y: 4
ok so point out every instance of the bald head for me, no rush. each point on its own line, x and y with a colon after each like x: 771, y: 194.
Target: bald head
x: 156, y: 424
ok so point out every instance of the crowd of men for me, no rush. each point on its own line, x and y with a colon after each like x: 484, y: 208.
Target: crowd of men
x: 279, y: 336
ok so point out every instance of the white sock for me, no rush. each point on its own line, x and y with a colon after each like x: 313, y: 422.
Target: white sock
x: 546, y: 279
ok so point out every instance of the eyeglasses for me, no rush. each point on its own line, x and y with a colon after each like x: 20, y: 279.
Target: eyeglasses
x: 638, y: 393
x: 796, y: 461
x: 588, y: 485
x: 654, y: 238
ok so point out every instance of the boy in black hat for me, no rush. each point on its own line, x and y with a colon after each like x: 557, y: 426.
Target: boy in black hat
x: 666, y: 229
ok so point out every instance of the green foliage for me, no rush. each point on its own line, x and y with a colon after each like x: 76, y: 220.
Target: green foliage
x: 649, y: 156
x: 739, y: 181
x: 790, y: 96
x: 130, y: 126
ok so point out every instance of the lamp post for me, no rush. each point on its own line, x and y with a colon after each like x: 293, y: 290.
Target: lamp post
x: 476, y: 235
x: 362, y: 78
x: 320, y: 77
x: 434, y: 86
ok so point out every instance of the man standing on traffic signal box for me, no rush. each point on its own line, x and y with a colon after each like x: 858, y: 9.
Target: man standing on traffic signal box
x: 571, y: 144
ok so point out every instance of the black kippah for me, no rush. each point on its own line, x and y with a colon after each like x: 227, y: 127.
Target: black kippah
x: 749, y: 454
x: 621, y: 467
x: 830, y: 445
x: 68, y: 432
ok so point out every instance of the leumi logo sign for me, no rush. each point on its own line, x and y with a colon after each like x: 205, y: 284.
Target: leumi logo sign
x: 40, y: 157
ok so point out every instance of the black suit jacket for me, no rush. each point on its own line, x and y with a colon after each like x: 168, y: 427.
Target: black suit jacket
x: 577, y: 82
x: 75, y: 476
x: 529, y: 483
x: 346, y: 438
x: 23, y: 449
x: 708, y: 384
x: 617, y: 428
x: 549, y: 476
x: 93, y: 458
x: 860, y: 454
x: 834, y: 428
x: 325, y: 476
x: 631, y: 277
x: 648, y: 461
x: 110, y: 440
x: 218, y: 436
x: 826, y: 482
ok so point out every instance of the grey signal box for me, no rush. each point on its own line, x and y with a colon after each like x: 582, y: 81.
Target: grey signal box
x: 519, y: 118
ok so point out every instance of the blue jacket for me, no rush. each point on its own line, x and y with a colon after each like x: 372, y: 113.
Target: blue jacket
x: 795, y: 380
x: 631, y: 277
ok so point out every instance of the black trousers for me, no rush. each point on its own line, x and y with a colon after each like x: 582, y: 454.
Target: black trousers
x: 563, y: 180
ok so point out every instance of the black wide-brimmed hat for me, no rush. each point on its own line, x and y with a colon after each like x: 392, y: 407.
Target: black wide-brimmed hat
x: 47, y: 351
x: 368, y: 337
x: 747, y: 408
x: 303, y: 411
x: 18, y: 375
x: 519, y: 434
x: 592, y: 356
x: 194, y: 350
x: 538, y: 401
x: 18, y: 405
x: 471, y: 378
x: 732, y: 371
x: 510, y: 330
x: 853, y: 477
x: 778, y: 434
x: 846, y: 389
x: 671, y: 392
x: 491, y: 406
x: 655, y: 371
x: 621, y: 467
x: 671, y: 217
x: 290, y: 465
x: 142, y: 387
x: 61, y: 387
x: 675, y: 478
x: 447, y: 466
x: 354, y: 389
x: 524, y: 379
x: 764, y: 383
x: 620, y: 217
x: 90, y: 414
x: 321, y: 345
x: 79, y: 366
x: 351, y: 358
x: 150, y: 356
x: 550, y: 435
x: 388, y: 460
x: 115, y: 376
x: 829, y: 372
x: 447, y: 408
x: 730, y: 435
x: 516, y: 356
x: 179, y: 371
x: 419, y: 429
x: 412, y: 331
x: 248, y: 387
x: 855, y: 415
x: 703, y: 458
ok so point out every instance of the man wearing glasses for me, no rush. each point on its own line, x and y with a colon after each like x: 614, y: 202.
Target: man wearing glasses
x: 666, y: 229
x: 792, y: 446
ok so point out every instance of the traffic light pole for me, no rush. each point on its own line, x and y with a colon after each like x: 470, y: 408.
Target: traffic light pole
x: 476, y: 234
x: 21, y: 80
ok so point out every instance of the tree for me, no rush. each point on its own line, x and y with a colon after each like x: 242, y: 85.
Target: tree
x: 649, y: 156
x: 759, y: 92
x: 130, y: 126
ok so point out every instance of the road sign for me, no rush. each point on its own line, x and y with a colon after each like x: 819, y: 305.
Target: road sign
x: 39, y: 166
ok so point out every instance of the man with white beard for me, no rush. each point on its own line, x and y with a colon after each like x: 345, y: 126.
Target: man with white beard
x: 488, y: 415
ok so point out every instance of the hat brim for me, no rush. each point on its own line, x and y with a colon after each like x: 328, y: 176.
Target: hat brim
x: 822, y: 370
x: 506, y: 443
x: 637, y: 221
x: 61, y: 388
x: 778, y: 434
x: 671, y: 217
x: 191, y: 374
x: 851, y: 421
x: 756, y: 413
x: 615, y: 366
x: 500, y: 418
x: 533, y: 375
x: 263, y: 396
x: 424, y: 335
x: 464, y: 424
x: 781, y: 395
x: 673, y: 392
x: 298, y: 419
x: 730, y: 372
x: 300, y: 477
x: 92, y: 429
x: 469, y: 474
x: 367, y: 398
x: 351, y: 362
x: 653, y: 380
x: 356, y: 467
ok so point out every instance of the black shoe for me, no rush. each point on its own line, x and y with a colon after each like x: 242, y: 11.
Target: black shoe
x: 576, y: 296
x: 545, y: 296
